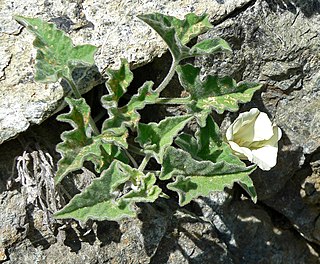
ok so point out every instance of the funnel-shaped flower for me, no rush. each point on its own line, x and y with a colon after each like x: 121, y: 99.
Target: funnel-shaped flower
x: 253, y: 137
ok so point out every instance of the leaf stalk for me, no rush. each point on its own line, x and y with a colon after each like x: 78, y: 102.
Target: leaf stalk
x: 135, y: 164
x: 144, y: 162
x: 169, y: 76
x: 77, y: 94
x: 174, y: 101
x: 135, y: 150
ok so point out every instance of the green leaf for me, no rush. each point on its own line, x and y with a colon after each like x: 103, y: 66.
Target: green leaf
x: 103, y: 198
x: 79, y: 145
x: 213, y: 93
x: 193, y: 178
x: 120, y: 118
x: 186, y: 29
x: 145, y: 189
x: 56, y: 55
x: 175, y: 32
x: 210, y: 46
x: 247, y: 184
x: 118, y: 83
x: 128, y: 116
x: 188, y: 143
x: 208, y: 145
x: 154, y: 138
x: 212, y: 147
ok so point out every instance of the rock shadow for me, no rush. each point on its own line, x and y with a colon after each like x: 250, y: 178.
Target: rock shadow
x: 308, y: 8
x: 256, y: 234
x: 105, y: 232
x: 33, y: 234
x: 188, y: 238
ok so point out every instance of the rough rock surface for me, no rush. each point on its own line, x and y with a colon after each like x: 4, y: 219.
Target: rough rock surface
x: 283, y: 227
x: 110, y: 25
x: 277, y: 43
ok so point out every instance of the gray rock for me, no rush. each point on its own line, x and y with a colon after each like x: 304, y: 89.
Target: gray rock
x: 277, y: 43
x: 253, y: 234
x: 219, y: 230
x: 112, y: 26
x: 267, y: 50
x: 236, y: 232
x: 13, y: 218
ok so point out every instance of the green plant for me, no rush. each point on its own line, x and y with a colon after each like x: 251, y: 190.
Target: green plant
x: 193, y: 164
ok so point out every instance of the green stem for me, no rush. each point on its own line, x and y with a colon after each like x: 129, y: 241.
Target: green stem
x: 169, y: 76
x: 135, y: 164
x: 77, y: 95
x: 144, y: 162
x: 136, y: 150
x: 173, y: 101
x: 73, y: 87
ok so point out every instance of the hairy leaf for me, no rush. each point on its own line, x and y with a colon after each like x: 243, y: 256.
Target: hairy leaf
x: 213, y: 93
x: 247, y: 184
x: 120, y: 118
x: 188, y: 143
x: 79, y: 145
x: 209, y: 47
x: 56, y: 55
x: 144, y: 190
x: 118, y: 83
x: 208, y: 145
x: 175, y: 32
x: 193, y: 178
x: 154, y: 138
x: 103, y: 198
x: 128, y: 116
x: 212, y: 147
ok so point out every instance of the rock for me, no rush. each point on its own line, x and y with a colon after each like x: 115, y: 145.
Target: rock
x: 276, y: 43
x: 112, y: 26
x: 227, y: 232
x: 252, y: 234
x: 126, y: 242
x: 216, y: 229
x: 13, y: 218
x: 190, y: 239
x: 3, y: 255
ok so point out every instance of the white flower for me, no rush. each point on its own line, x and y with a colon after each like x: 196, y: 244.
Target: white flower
x: 253, y: 137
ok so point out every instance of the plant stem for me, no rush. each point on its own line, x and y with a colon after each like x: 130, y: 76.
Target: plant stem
x: 73, y: 87
x: 135, y: 150
x: 173, y: 101
x: 144, y: 162
x: 77, y: 95
x: 169, y: 76
x: 135, y: 164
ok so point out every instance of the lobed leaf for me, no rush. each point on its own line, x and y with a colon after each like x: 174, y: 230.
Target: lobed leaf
x: 210, y: 47
x: 128, y: 116
x: 120, y: 118
x: 208, y: 145
x: 213, y: 93
x: 79, y: 145
x: 145, y: 188
x: 56, y: 55
x: 103, y: 198
x: 118, y: 83
x: 176, y: 33
x: 186, y: 29
x: 212, y: 147
x: 193, y: 178
x: 154, y: 138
